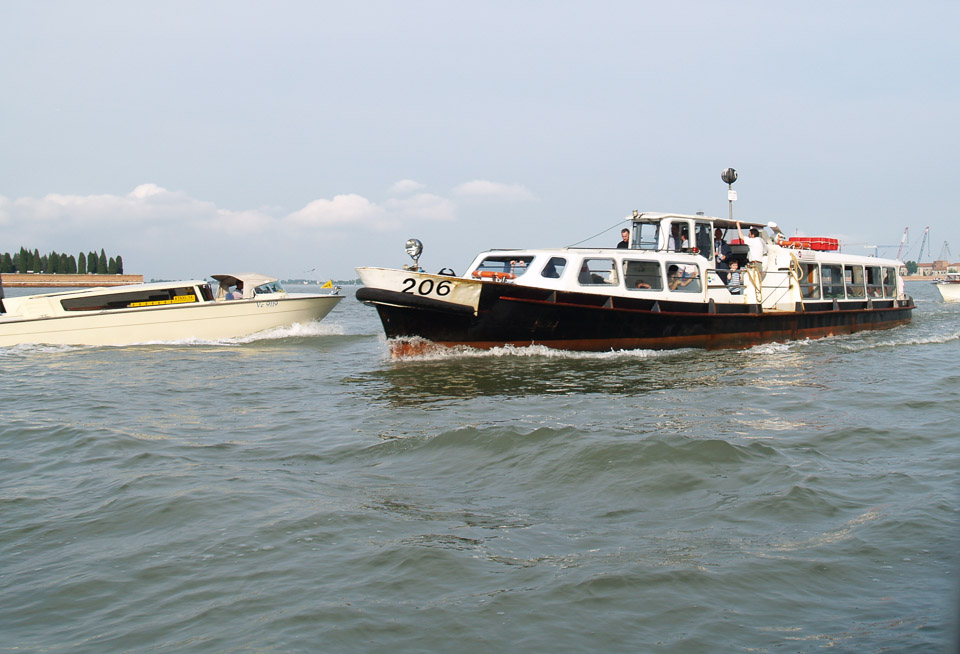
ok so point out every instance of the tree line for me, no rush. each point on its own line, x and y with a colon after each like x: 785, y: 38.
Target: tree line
x: 26, y: 261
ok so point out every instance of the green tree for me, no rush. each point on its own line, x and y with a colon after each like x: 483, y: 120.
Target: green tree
x: 92, y: 262
x: 912, y: 267
x: 82, y: 264
x: 102, y: 263
x: 37, y: 261
x: 119, y: 265
x: 6, y: 264
x: 112, y: 266
x: 71, y: 265
x: 53, y: 263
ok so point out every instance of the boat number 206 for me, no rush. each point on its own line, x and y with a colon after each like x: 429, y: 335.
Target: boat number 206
x: 427, y: 286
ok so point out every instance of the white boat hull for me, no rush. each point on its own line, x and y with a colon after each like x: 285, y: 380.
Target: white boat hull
x: 207, y: 321
x: 950, y: 292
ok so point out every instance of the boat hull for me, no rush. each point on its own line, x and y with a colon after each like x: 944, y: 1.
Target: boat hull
x: 950, y: 292
x: 207, y: 321
x: 519, y: 316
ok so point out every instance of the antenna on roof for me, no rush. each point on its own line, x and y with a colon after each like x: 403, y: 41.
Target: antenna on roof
x: 729, y: 176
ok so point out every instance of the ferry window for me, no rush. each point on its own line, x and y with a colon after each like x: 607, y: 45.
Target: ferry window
x: 645, y: 235
x: 810, y: 281
x: 705, y: 241
x: 853, y: 278
x: 598, y: 271
x: 678, y: 237
x: 512, y: 265
x: 874, y: 289
x: 554, y: 268
x: 684, y: 278
x: 832, y: 277
x: 642, y: 276
x: 889, y: 282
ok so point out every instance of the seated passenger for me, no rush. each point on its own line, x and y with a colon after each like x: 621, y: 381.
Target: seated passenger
x: 677, y: 278
x: 642, y: 284
x: 237, y: 293
x: 584, y: 277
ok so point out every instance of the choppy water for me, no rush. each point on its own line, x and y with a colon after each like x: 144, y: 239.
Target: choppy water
x: 302, y: 492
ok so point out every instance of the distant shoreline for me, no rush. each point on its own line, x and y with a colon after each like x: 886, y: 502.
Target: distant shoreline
x: 53, y: 280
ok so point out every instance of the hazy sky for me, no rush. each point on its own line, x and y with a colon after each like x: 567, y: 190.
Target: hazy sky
x: 306, y: 138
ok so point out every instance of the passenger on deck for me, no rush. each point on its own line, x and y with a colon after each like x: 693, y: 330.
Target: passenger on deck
x: 734, y: 280
x: 624, y: 239
x: 237, y: 293
x: 754, y: 247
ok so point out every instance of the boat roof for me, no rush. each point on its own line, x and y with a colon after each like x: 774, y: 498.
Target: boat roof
x: 248, y: 279
x: 656, y: 216
x: 123, y: 288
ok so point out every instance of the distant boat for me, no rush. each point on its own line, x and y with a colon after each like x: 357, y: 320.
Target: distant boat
x: 244, y: 304
x: 950, y: 287
x: 655, y: 290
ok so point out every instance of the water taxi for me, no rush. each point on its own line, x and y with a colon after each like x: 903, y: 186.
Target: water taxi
x: 949, y: 287
x: 243, y: 304
x: 675, y: 281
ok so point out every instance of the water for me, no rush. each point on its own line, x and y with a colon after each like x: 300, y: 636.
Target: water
x: 301, y: 492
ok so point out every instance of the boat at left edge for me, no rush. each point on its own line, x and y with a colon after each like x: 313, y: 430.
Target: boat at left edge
x: 243, y: 304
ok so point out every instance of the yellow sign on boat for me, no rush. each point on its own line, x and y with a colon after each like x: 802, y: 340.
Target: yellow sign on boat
x: 176, y: 299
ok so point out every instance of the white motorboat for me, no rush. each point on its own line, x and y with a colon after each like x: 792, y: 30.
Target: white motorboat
x: 244, y: 304
x: 950, y: 287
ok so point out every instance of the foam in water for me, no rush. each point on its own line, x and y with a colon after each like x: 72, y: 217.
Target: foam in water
x: 297, y: 330
x: 418, y: 349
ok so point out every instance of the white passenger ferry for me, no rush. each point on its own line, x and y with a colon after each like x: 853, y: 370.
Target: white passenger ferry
x: 161, y: 311
x: 655, y: 291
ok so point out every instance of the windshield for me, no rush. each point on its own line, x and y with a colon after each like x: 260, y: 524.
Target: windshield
x: 507, y: 264
x: 269, y: 287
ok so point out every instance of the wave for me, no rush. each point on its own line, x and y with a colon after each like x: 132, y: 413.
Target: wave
x: 297, y: 330
x: 419, y: 349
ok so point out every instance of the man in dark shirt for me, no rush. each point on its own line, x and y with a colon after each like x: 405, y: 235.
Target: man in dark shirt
x: 722, y: 253
x: 625, y: 238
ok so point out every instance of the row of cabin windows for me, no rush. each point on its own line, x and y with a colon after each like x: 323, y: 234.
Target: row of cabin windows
x: 835, y: 281
x: 826, y: 281
x: 601, y: 271
x: 142, y: 298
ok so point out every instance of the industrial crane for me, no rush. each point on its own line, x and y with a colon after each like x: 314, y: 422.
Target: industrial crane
x: 945, y: 252
x: 903, y: 239
x: 926, y: 232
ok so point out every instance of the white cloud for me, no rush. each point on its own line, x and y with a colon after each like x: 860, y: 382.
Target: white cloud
x: 349, y: 209
x: 423, y: 206
x: 148, y: 205
x: 496, y: 190
x: 406, y: 186
x: 147, y: 190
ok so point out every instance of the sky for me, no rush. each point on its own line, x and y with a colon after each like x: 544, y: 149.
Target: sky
x: 303, y: 139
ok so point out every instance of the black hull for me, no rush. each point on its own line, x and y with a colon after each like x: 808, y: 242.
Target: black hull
x: 520, y: 316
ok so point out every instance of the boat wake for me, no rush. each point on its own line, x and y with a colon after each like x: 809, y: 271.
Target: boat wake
x: 419, y: 349
x: 297, y: 330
